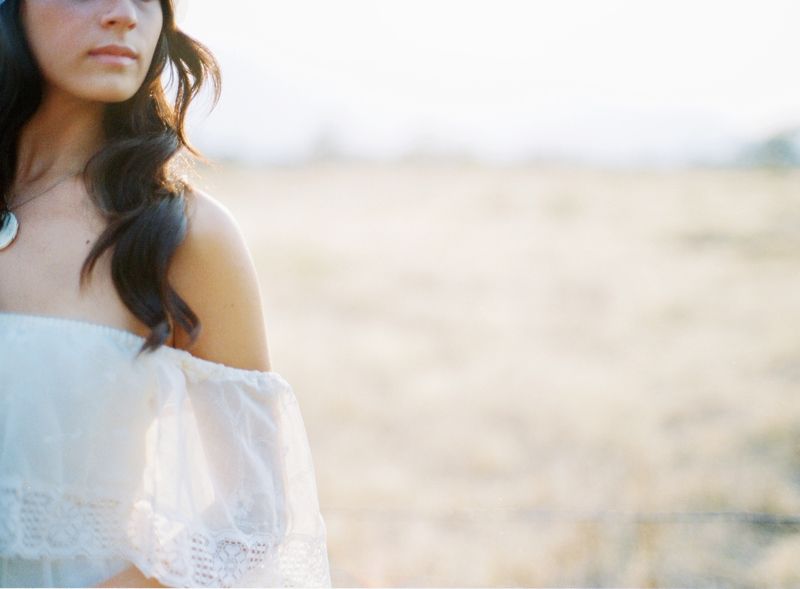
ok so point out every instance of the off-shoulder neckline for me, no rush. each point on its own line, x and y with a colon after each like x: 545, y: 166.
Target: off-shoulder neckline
x: 131, y: 339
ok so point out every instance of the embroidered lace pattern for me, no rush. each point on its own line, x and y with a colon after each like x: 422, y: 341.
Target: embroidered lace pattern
x: 37, y: 523
x: 198, y: 473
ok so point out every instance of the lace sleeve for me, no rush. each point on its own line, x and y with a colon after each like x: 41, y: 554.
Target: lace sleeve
x: 228, y: 496
x: 198, y: 473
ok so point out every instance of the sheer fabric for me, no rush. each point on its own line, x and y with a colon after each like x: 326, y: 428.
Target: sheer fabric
x: 198, y: 473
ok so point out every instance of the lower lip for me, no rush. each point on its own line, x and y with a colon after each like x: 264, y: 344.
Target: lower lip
x: 113, y: 59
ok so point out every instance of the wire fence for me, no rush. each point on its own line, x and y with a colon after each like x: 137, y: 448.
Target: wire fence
x: 537, y: 515
x: 579, y: 548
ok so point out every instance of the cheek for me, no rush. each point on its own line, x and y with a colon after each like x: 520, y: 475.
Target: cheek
x: 153, y: 37
x: 61, y: 58
x: 54, y: 33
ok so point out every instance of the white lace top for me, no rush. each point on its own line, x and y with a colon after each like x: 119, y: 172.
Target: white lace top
x: 198, y: 473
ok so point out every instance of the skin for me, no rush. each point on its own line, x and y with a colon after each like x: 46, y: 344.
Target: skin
x: 66, y: 131
x: 213, y: 269
x: 60, y: 138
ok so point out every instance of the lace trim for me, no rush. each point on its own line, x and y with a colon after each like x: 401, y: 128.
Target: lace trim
x: 38, y: 523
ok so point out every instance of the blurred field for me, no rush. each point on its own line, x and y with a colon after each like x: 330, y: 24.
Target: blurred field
x: 538, y: 376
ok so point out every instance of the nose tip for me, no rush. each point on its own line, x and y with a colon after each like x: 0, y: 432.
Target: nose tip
x: 122, y: 14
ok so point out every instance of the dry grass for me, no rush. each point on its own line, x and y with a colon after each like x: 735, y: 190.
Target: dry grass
x: 487, y: 357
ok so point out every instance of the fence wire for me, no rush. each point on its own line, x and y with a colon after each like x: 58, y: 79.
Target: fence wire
x: 577, y: 548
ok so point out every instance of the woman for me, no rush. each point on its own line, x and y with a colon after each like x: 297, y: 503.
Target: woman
x: 126, y: 459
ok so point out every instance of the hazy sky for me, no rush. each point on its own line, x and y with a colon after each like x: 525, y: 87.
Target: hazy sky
x: 612, y: 80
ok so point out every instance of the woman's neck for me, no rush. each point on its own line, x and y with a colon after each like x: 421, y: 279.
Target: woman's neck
x: 61, y: 137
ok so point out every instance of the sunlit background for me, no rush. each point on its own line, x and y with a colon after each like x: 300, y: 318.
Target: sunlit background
x: 531, y: 268
x: 610, y: 81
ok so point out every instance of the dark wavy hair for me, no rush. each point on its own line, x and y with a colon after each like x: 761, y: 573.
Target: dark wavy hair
x: 130, y: 178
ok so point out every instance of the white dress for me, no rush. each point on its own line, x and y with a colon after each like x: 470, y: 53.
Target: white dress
x: 198, y: 473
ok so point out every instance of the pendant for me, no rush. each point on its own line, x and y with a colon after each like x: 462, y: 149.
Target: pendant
x: 8, y: 230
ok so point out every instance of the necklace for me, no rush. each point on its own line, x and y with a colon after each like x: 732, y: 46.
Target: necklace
x: 10, y: 225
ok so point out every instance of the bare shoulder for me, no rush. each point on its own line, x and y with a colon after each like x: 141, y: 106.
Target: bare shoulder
x: 213, y: 271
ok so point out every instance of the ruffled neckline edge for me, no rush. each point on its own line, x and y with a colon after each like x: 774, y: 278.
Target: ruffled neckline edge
x: 134, y: 340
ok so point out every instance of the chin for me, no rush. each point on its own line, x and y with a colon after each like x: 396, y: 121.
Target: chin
x: 111, y: 94
x: 116, y: 97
